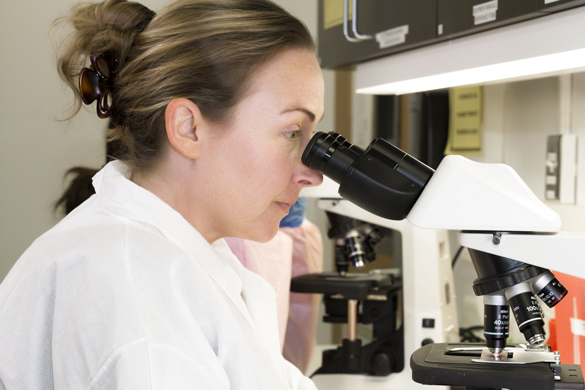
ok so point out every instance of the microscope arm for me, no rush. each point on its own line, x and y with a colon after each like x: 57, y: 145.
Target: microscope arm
x: 562, y: 252
x: 470, y: 196
x: 495, y: 212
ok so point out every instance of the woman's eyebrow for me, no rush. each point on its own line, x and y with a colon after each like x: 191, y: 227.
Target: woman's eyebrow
x: 310, y: 114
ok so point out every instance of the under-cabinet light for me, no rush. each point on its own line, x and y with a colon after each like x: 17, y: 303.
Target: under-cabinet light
x: 549, y: 45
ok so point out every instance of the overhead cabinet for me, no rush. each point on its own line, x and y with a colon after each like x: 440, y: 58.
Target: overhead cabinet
x: 558, y: 5
x: 354, y: 32
x: 462, y: 17
x: 383, y: 27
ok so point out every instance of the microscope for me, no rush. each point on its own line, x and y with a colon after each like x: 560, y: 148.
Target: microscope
x: 513, y: 240
x: 352, y: 298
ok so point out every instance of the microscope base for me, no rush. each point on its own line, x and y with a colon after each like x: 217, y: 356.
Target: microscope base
x: 431, y: 365
x: 378, y: 358
x: 395, y: 381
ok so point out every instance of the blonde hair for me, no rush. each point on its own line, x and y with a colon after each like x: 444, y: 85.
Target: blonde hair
x: 203, y: 50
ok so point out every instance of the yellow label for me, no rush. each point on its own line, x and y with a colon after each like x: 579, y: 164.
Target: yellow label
x: 333, y: 13
x: 465, y: 106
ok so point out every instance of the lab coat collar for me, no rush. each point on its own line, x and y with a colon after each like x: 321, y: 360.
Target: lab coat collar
x: 120, y: 197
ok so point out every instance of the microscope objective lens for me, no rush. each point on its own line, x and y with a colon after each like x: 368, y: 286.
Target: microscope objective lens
x: 528, y: 316
x: 552, y: 292
x: 496, y: 327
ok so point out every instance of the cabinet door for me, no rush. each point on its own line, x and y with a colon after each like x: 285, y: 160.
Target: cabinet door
x: 558, y: 5
x: 452, y: 17
x: 461, y: 17
x: 397, y: 25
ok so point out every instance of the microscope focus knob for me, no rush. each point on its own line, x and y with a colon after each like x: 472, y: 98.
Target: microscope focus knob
x: 381, y: 364
x: 426, y: 341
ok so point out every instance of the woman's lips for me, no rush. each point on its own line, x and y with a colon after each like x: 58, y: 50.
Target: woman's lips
x: 284, y: 206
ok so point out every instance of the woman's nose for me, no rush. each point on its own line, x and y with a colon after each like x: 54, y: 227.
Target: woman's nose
x: 308, y: 177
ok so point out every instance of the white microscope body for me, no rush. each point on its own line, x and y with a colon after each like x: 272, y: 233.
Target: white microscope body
x: 494, y: 212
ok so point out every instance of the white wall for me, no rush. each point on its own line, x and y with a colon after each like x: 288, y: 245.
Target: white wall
x: 35, y: 149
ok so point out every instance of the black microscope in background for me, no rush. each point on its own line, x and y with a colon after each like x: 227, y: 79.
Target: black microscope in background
x: 370, y: 298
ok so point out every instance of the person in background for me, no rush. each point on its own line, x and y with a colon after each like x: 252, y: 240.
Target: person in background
x: 80, y: 187
x: 296, y: 250
x: 214, y: 101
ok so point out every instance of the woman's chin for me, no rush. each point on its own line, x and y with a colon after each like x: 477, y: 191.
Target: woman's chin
x: 262, y: 234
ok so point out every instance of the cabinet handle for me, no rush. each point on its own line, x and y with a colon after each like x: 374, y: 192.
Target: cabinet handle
x: 357, y: 36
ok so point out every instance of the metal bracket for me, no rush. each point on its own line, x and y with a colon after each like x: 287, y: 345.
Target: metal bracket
x: 357, y: 36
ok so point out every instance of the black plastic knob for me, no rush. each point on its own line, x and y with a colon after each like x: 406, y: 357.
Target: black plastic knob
x: 381, y: 364
x: 426, y: 341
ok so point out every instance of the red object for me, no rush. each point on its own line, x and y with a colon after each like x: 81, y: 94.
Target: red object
x: 552, y: 334
x: 569, y: 322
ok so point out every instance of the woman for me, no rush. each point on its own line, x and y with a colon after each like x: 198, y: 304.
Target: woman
x: 136, y: 288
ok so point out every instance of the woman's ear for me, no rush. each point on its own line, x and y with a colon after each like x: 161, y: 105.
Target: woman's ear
x: 182, y: 121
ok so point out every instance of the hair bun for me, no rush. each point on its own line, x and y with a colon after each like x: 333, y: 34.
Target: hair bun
x: 98, y: 82
x: 142, y: 25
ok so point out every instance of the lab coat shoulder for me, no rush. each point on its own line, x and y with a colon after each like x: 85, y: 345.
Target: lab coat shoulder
x: 147, y: 365
x: 107, y: 287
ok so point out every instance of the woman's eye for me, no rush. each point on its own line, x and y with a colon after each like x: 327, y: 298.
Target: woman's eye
x: 292, y: 135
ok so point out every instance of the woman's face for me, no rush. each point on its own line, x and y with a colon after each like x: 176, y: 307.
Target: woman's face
x: 253, y: 169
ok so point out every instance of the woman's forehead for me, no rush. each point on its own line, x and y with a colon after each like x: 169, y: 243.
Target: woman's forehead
x: 293, y: 80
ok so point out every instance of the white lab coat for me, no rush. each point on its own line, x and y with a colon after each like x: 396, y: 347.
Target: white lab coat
x: 125, y: 294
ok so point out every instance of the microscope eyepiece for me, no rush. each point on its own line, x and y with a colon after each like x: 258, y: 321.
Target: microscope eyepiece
x: 382, y: 179
x: 318, y: 155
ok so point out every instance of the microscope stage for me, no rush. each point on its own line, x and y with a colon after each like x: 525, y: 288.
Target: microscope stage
x: 360, y: 286
x: 433, y: 364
